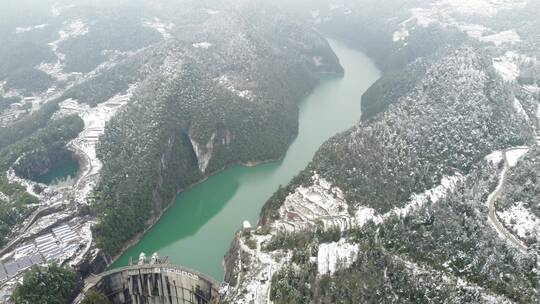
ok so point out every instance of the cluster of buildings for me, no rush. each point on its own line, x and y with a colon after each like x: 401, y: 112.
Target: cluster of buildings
x: 63, y: 242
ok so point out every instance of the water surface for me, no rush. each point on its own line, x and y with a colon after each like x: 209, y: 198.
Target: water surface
x: 197, y: 229
x: 62, y: 171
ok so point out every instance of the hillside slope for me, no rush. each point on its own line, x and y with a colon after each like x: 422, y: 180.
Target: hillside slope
x: 149, y: 98
x: 223, y: 94
x: 398, y: 203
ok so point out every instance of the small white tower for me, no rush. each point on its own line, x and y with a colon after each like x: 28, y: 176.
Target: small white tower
x: 155, y: 258
x: 142, y: 258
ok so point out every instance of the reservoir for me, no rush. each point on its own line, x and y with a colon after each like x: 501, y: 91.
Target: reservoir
x: 197, y: 229
x: 62, y: 171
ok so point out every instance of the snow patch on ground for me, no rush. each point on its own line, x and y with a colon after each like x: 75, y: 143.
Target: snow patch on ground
x: 420, y: 16
x: 254, y: 286
x: 448, y: 183
x: 202, y: 45
x: 11, y: 114
x: 334, y: 256
x: 533, y: 89
x: 537, y: 123
x: 494, y: 158
x: 308, y: 206
x: 226, y: 82
x: 450, y: 279
x: 519, y: 109
x: 28, y: 184
x: 212, y: 12
x: 85, y: 144
x: 507, y: 66
x: 475, y: 31
x: 363, y: 215
x: 57, y: 9
x: 4, y: 197
x: 322, y: 203
x: 160, y: 27
x: 513, y: 155
x: 20, y: 30
x: 72, y: 29
x: 400, y: 35
x: 521, y: 221
x: 416, y: 201
x: 509, y: 36
x: 485, y: 8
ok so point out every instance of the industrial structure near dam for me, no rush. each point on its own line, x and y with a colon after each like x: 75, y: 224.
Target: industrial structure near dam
x: 155, y: 282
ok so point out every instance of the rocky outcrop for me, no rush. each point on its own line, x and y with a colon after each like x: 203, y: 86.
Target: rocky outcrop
x: 336, y: 255
x: 231, y: 261
x: 203, y: 152
x: 251, y: 262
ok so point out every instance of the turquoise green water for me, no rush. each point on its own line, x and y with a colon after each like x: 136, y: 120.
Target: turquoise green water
x: 62, y: 171
x: 197, y: 229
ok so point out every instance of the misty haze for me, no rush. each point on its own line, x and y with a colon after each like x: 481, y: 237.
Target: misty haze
x: 269, y: 151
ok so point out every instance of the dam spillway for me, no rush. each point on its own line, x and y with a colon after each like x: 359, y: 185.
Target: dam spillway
x: 155, y: 282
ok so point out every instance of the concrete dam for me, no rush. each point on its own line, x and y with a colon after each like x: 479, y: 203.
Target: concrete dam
x: 155, y: 282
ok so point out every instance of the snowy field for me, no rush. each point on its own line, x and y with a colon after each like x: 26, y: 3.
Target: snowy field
x: 521, y: 221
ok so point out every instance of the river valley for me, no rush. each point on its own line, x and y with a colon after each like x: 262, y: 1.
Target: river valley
x: 197, y: 229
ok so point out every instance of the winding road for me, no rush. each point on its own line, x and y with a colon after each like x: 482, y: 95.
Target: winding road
x: 492, y: 215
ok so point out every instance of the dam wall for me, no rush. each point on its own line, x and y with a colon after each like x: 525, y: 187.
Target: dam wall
x: 156, y: 282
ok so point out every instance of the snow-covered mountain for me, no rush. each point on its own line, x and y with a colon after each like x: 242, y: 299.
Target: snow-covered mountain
x: 433, y: 196
x: 149, y: 97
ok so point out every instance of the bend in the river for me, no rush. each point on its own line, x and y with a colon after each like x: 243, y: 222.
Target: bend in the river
x: 197, y: 229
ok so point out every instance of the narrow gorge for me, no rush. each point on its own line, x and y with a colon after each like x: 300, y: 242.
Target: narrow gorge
x: 197, y: 229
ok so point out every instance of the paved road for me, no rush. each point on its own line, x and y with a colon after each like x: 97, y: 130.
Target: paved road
x: 492, y: 216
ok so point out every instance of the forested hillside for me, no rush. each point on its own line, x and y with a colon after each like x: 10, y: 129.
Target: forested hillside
x: 222, y: 94
x: 395, y: 210
x: 442, y: 251
x: 370, y: 25
x: 433, y: 196
x: 519, y: 205
x: 207, y: 85
x: 454, y: 115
